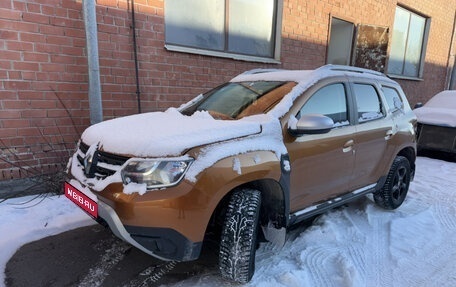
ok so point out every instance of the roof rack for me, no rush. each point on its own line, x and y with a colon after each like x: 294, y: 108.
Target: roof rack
x: 343, y: 68
x: 261, y: 70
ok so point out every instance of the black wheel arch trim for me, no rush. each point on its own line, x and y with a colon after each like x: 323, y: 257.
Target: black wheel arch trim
x: 284, y: 182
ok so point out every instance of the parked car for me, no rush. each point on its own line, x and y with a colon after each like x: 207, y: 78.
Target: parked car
x: 246, y: 161
x: 437, y: 124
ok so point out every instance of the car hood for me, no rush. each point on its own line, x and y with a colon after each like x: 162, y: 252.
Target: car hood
x: 160, y: 134
x: 436, y: 116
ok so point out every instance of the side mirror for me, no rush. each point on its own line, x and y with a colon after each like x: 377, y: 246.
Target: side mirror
x: 311, y: 124
x: 398, y: 105
x: 418, y: 105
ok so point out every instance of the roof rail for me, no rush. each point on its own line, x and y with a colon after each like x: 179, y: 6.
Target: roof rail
x: 260, y: 70
x: 343, y: 68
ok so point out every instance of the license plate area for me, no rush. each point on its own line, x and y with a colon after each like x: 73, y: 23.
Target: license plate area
x: 80, y: 199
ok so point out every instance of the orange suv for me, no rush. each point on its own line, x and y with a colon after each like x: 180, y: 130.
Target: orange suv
x: 245, y: 161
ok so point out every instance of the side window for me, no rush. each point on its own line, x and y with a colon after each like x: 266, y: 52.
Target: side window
x: 368, y: 103
x: 393, y: 99
x: 330, y: 101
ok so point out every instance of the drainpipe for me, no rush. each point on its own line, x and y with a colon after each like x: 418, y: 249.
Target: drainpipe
x: 90, y: 23
x: 135, y: 52
x: 453, y: 77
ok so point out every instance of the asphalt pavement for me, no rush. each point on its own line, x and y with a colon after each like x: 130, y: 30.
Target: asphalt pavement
x: 93, y: 256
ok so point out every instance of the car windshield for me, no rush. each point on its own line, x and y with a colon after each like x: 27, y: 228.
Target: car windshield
x: 231, y: 99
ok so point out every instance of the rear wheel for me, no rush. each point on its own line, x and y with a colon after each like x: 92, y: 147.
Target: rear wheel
x: 396, y: 186
x: 239, y: 236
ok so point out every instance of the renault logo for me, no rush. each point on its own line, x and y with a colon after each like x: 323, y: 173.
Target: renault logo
x: 90, y: 162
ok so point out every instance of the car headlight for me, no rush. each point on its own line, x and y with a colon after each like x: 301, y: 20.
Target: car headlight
x: 154, y: 173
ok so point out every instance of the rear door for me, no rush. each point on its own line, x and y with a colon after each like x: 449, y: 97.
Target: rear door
x: 374, y: 130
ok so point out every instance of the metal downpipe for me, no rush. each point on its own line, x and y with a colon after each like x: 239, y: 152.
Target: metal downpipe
x: 90, y: 23
x: 135, y: 52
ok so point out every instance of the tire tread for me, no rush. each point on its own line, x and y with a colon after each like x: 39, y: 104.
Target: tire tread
x: 238, y: 239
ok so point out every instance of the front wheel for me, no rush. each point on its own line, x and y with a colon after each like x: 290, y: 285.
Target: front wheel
x: 396, y: 186
x: 239, y: 236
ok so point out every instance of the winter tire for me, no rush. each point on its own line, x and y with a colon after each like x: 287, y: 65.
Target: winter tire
x: 396, y: 185
x: 239, y: 236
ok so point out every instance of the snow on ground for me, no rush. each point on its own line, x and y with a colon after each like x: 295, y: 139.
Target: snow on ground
x: 26, y: 219
x: 358, y: 245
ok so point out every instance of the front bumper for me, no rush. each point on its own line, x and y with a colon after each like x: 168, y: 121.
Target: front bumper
x: 162, y: 243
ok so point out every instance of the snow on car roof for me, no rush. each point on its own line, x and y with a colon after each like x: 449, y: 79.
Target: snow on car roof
x: 439, y: 110
x: 444, y: 99
x: 300, y: 76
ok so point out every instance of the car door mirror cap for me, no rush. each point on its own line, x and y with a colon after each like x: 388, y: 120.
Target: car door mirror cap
x: 311, y: 124
x: 418, y: 105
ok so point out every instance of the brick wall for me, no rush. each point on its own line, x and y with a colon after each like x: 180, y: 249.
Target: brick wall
x: 43, y: 66
x: 42, y: 59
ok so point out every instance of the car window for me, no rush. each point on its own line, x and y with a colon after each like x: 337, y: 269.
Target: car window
x: 368, y: 103
x: 330, y: 101
x: 393, y: 100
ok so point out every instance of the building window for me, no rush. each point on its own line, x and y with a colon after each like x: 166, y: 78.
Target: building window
x: 408, y: 44
x: 340, y: 42
x: 371, y: 46
x: 217, y: 27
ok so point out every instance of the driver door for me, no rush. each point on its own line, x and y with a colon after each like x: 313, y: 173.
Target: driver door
x: 322, y: 164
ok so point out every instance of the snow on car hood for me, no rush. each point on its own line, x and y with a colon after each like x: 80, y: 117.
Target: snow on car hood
x: 436, y: 116
x: 168, y: 133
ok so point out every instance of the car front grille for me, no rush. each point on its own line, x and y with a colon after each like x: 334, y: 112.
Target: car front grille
x: 106, y: 163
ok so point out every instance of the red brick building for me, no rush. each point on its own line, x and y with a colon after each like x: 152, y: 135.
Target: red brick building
x: 186, y: 47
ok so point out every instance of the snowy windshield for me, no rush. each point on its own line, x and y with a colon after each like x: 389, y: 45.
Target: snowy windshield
x: 231, y: 99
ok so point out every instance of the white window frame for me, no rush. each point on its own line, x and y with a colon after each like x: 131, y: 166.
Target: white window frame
x: 275, y: 59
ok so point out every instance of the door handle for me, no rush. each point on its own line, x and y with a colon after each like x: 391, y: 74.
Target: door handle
x: 348, y: 146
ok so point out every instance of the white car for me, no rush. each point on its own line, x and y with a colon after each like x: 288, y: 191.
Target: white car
x: 437, y: 124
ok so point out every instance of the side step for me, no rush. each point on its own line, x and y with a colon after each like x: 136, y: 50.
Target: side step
x: 330, y: 204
